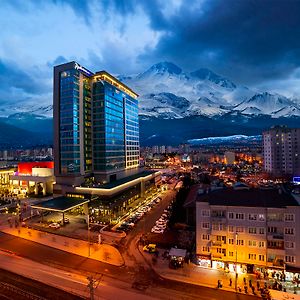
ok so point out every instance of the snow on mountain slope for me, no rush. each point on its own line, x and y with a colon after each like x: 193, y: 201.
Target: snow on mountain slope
x: 223, y: 139
x: 204, y: 106
x: 165, y: 105
x: 45, y: 111
x: 266, y: 103
x: 208, y: 94
x: 288, y: 111
x: 205, y: 74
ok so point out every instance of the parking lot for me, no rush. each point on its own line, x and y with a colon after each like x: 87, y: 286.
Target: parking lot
x: 138, y: 214
x: 73, y: 225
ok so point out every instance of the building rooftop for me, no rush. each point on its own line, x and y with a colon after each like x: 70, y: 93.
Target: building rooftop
x: 60, y: 204
x: 249, y: 198
x: 117, y: 83
x: 191, y: 198
x: 116, y: 183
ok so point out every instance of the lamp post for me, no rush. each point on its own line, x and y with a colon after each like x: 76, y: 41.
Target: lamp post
x: 236, y: 273
x: 89, y: 234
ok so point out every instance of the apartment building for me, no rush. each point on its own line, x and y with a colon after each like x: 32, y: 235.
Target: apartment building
x: 281, y: 149
x: 249, y: 228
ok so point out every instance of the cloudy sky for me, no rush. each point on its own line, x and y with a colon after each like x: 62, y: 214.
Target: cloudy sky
x: 254, y: 43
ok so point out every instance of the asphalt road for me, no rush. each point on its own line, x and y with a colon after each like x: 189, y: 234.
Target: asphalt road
x: 68, y: 271
x: 110, y: 288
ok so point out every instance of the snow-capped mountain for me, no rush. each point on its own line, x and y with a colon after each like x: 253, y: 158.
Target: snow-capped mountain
x: 265, y: 103
x: 224, y: 139
x: 164, y: 87
x: 23, y: 111
x: 205, y: 74
x: 168, y: 92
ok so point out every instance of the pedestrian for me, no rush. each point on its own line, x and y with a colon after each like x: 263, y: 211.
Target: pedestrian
x: 245, y: 281
x: 230, y: 282
x: 250, y: 282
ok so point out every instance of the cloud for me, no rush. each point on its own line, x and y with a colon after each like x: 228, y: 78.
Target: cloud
x: 57, y: 61
x: 255, y: 43
x: 247, y: 40
x: 12, y: 76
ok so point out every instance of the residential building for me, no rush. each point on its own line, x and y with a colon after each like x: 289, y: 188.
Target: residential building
x: 281, y: 150
x: 250, y: 228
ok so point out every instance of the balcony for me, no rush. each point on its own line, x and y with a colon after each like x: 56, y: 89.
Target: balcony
x: 276, y: 236
x: 217, y: 217
x: 216, y: 243
x: 217, y: 256
x: 278, y: 247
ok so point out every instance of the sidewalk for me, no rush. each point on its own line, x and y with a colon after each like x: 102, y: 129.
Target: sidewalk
x: 104, y: 253
x: 194, y: 274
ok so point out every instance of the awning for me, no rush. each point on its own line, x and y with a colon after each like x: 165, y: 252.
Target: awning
x: 177, y: 252
x: 60, y: 204
x: 292, y: 269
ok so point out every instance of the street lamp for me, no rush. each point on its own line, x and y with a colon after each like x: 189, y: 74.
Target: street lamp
x: 89, y: 234
x: 236, y: 273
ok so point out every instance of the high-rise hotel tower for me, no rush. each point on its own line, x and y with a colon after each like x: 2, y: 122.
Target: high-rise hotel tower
x: 96, y: 129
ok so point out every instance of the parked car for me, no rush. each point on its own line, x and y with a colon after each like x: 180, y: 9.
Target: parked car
x: 54, y: 225
x: 151, y: 248
x: 156, y: 230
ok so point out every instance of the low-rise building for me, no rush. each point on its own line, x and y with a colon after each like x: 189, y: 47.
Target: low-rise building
x: 248, y: 228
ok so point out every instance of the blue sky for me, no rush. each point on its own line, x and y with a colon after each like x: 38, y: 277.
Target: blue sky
x: 254, y: 43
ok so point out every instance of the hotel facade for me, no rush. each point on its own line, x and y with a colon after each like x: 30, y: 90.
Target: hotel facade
x: 96, y: 140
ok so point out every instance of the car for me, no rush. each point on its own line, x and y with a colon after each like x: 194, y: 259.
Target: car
x: 156, y: 227
x: 67, y: 221
x: 161, y: 222
x: 157, y: 231
x: 151, y: 248
x: 160, y: 226
x: 54, y: 225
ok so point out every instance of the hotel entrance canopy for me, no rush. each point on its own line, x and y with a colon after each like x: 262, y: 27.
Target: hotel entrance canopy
x: 60, y: 204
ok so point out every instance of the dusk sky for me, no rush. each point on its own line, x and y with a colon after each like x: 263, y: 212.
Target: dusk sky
x: 253, y: 43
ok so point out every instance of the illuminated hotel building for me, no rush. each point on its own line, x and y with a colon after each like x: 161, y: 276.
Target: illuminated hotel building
x: 96, y: 140
x: 96, y: 126
x: 250, y: 228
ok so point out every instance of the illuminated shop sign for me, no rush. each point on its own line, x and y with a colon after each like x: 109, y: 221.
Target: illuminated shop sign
x: 82, y: 69
x: 296, y: 180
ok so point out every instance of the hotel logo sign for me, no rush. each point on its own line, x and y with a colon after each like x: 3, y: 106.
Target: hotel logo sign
x: 82, y: 69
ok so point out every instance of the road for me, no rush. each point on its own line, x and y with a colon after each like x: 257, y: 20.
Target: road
x: 69, y: 271
x: 69, y: 281
x: 131, y: 253
x: 108, y: 288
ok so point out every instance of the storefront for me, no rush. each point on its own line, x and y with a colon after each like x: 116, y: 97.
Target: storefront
x: 204, y: 261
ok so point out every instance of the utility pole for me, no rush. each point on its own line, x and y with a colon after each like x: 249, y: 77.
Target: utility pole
x: 89, y: 234
x: 91, y: 286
